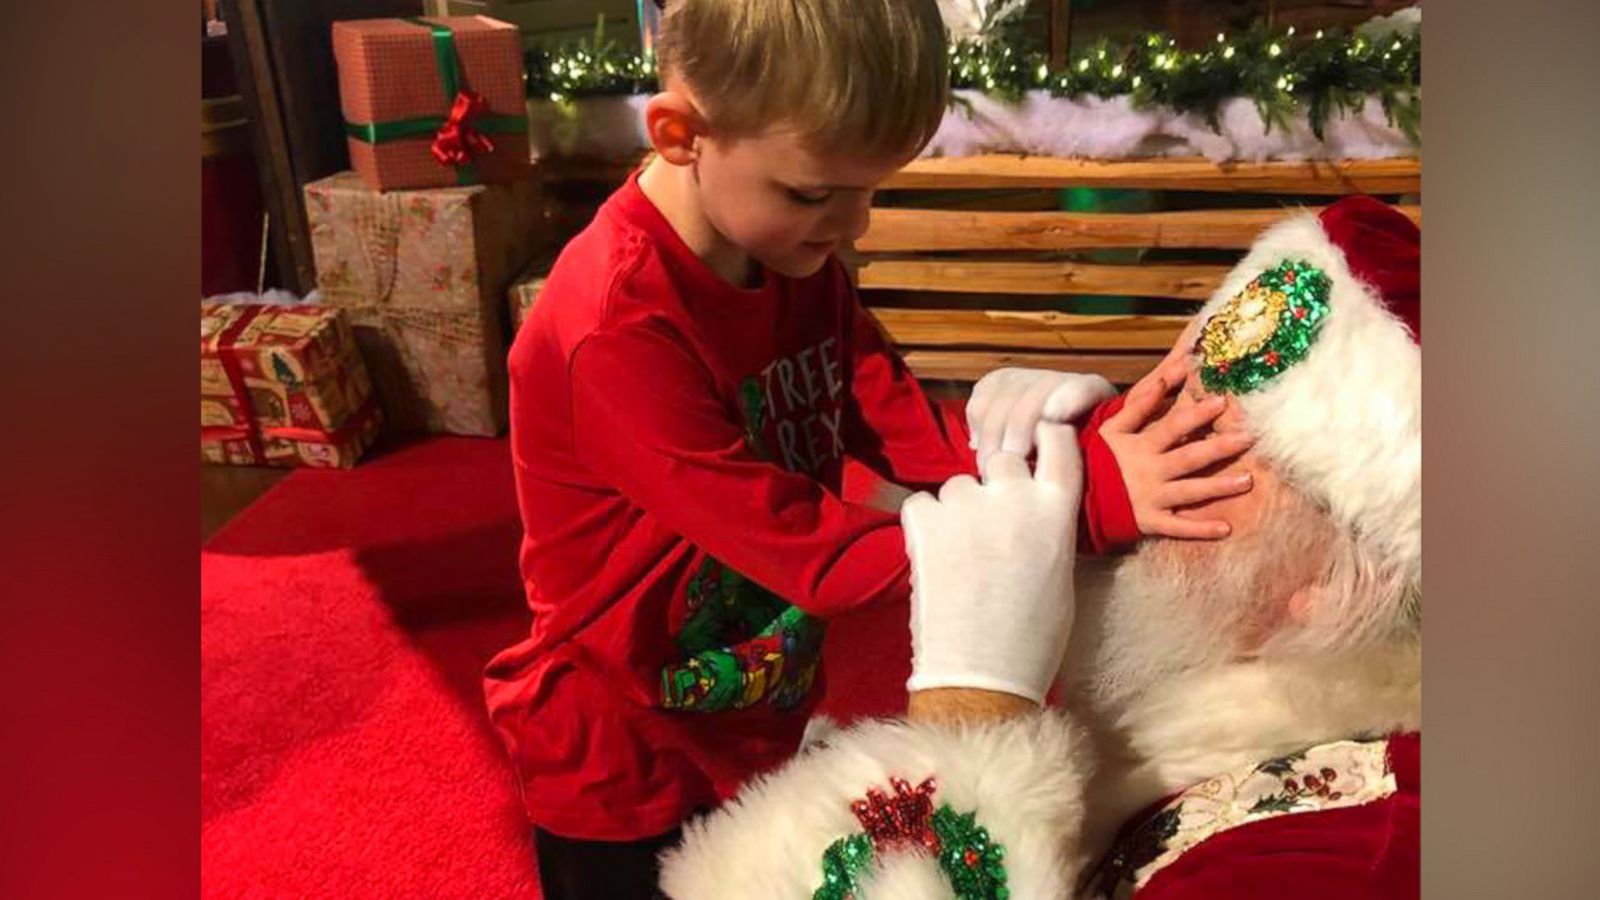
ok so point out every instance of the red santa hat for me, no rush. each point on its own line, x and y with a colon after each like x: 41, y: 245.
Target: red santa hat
x: 1317, y: 334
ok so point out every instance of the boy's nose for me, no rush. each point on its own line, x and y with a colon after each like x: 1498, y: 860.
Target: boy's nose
x: 859, y: 217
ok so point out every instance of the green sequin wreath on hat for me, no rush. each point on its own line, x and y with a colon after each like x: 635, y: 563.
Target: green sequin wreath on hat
x: 969, y: 858
x: 1264, y: 329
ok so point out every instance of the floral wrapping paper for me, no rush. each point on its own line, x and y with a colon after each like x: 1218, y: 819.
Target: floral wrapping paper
x: 422, y: 275
x: 282, y: 386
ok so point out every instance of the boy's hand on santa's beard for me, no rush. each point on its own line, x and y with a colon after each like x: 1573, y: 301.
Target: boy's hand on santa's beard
x: 991, y: 572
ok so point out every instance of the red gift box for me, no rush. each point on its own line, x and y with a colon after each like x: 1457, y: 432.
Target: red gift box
x: 433, y: 102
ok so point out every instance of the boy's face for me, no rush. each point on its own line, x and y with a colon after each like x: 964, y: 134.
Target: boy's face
x: 785, y: 206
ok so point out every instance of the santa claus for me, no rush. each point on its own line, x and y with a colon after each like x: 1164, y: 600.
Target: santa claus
x: 1239, y: 718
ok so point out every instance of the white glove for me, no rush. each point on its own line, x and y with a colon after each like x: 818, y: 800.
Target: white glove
x: 991, y: 572
x: 1007, y: 404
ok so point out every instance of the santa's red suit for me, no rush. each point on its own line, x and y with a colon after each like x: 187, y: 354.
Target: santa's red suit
x: 1255, y: 781
x: 1337, y: 820
x: 1288, y: 775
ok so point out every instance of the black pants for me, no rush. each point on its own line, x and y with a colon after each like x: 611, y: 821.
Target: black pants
x: 571, y: 869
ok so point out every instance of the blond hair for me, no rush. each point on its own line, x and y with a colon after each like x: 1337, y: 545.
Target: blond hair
x: 867, y: 77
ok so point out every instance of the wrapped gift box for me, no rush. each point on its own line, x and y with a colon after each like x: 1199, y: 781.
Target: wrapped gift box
x: 422, y: 276
x: 432, y: 102
x: 282, y: 386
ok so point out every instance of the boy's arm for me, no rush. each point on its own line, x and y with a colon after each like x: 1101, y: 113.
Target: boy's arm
x: 893, y: 427
x: 910, y: 441
x: 647, y: 420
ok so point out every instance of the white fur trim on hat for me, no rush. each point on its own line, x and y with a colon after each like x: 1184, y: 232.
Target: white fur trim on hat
x: 1020, y: 778
x: 1345, y: 423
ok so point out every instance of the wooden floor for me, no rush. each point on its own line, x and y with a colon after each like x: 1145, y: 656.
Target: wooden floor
x: 225, y: 490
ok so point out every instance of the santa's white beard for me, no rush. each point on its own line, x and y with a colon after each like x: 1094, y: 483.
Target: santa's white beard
x: 1156, y: 615
x: 1176, y: 608
x: 1185, y: 661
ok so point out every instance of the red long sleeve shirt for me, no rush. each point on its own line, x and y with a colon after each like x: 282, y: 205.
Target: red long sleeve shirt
x: 678, y: 446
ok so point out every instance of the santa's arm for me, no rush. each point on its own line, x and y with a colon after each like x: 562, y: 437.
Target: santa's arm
x: 979, y: 774
x: 1014, y: 774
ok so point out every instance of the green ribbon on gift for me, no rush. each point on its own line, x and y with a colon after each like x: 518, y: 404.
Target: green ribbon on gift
x: 450, y: 76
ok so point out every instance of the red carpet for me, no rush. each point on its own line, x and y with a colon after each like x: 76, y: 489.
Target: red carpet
x: 345, y: 620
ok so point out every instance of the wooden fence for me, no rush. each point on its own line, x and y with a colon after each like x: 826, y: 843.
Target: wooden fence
x: 970, y: 265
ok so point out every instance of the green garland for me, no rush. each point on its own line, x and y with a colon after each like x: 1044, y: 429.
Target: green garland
x: 1282, y: 72
x: 595, y: 66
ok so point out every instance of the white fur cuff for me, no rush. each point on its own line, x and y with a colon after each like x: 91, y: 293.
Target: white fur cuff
x: 1020, y: 778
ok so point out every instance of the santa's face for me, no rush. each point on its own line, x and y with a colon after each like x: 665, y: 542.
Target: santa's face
x: 1176, y: 606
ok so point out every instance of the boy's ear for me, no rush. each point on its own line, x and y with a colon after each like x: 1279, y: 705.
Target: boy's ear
x: 675, y: 127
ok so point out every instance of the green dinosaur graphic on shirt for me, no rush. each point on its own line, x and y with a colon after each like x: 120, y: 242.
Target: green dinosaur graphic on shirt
x: 742, y: 645
x: 755, y: 416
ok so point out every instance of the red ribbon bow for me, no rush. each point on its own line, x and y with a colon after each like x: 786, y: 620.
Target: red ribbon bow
x: 457, y: 141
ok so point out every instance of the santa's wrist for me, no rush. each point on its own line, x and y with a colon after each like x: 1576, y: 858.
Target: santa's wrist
x: 966, y: 706
x: 978, y: 683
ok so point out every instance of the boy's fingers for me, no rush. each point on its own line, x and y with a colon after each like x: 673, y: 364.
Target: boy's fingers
x: 1173, y: 526
x: 1059, y: 461
x: 1183, y: 347
x: 1179, y: 360
x: 1143, y: 399
x: 1190, y: 491
x: 1202, y: 453
x: 1184, y: 419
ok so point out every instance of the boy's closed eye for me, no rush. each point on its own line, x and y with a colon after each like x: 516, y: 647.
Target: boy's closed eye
x: 807, y: 197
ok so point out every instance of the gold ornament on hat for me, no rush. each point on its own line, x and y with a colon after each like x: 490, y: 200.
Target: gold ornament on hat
x: 1264, y: 329
x: 1243, y: 325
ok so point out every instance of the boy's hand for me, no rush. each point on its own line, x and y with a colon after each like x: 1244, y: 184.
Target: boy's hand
x: 1154, y: 450
x: 1008, y: 404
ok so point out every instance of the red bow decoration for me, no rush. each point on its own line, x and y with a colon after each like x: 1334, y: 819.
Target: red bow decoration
x: 903, y: 819
x: 457, y: 141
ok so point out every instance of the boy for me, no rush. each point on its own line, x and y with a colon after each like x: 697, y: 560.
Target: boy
x: 683, y: 397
